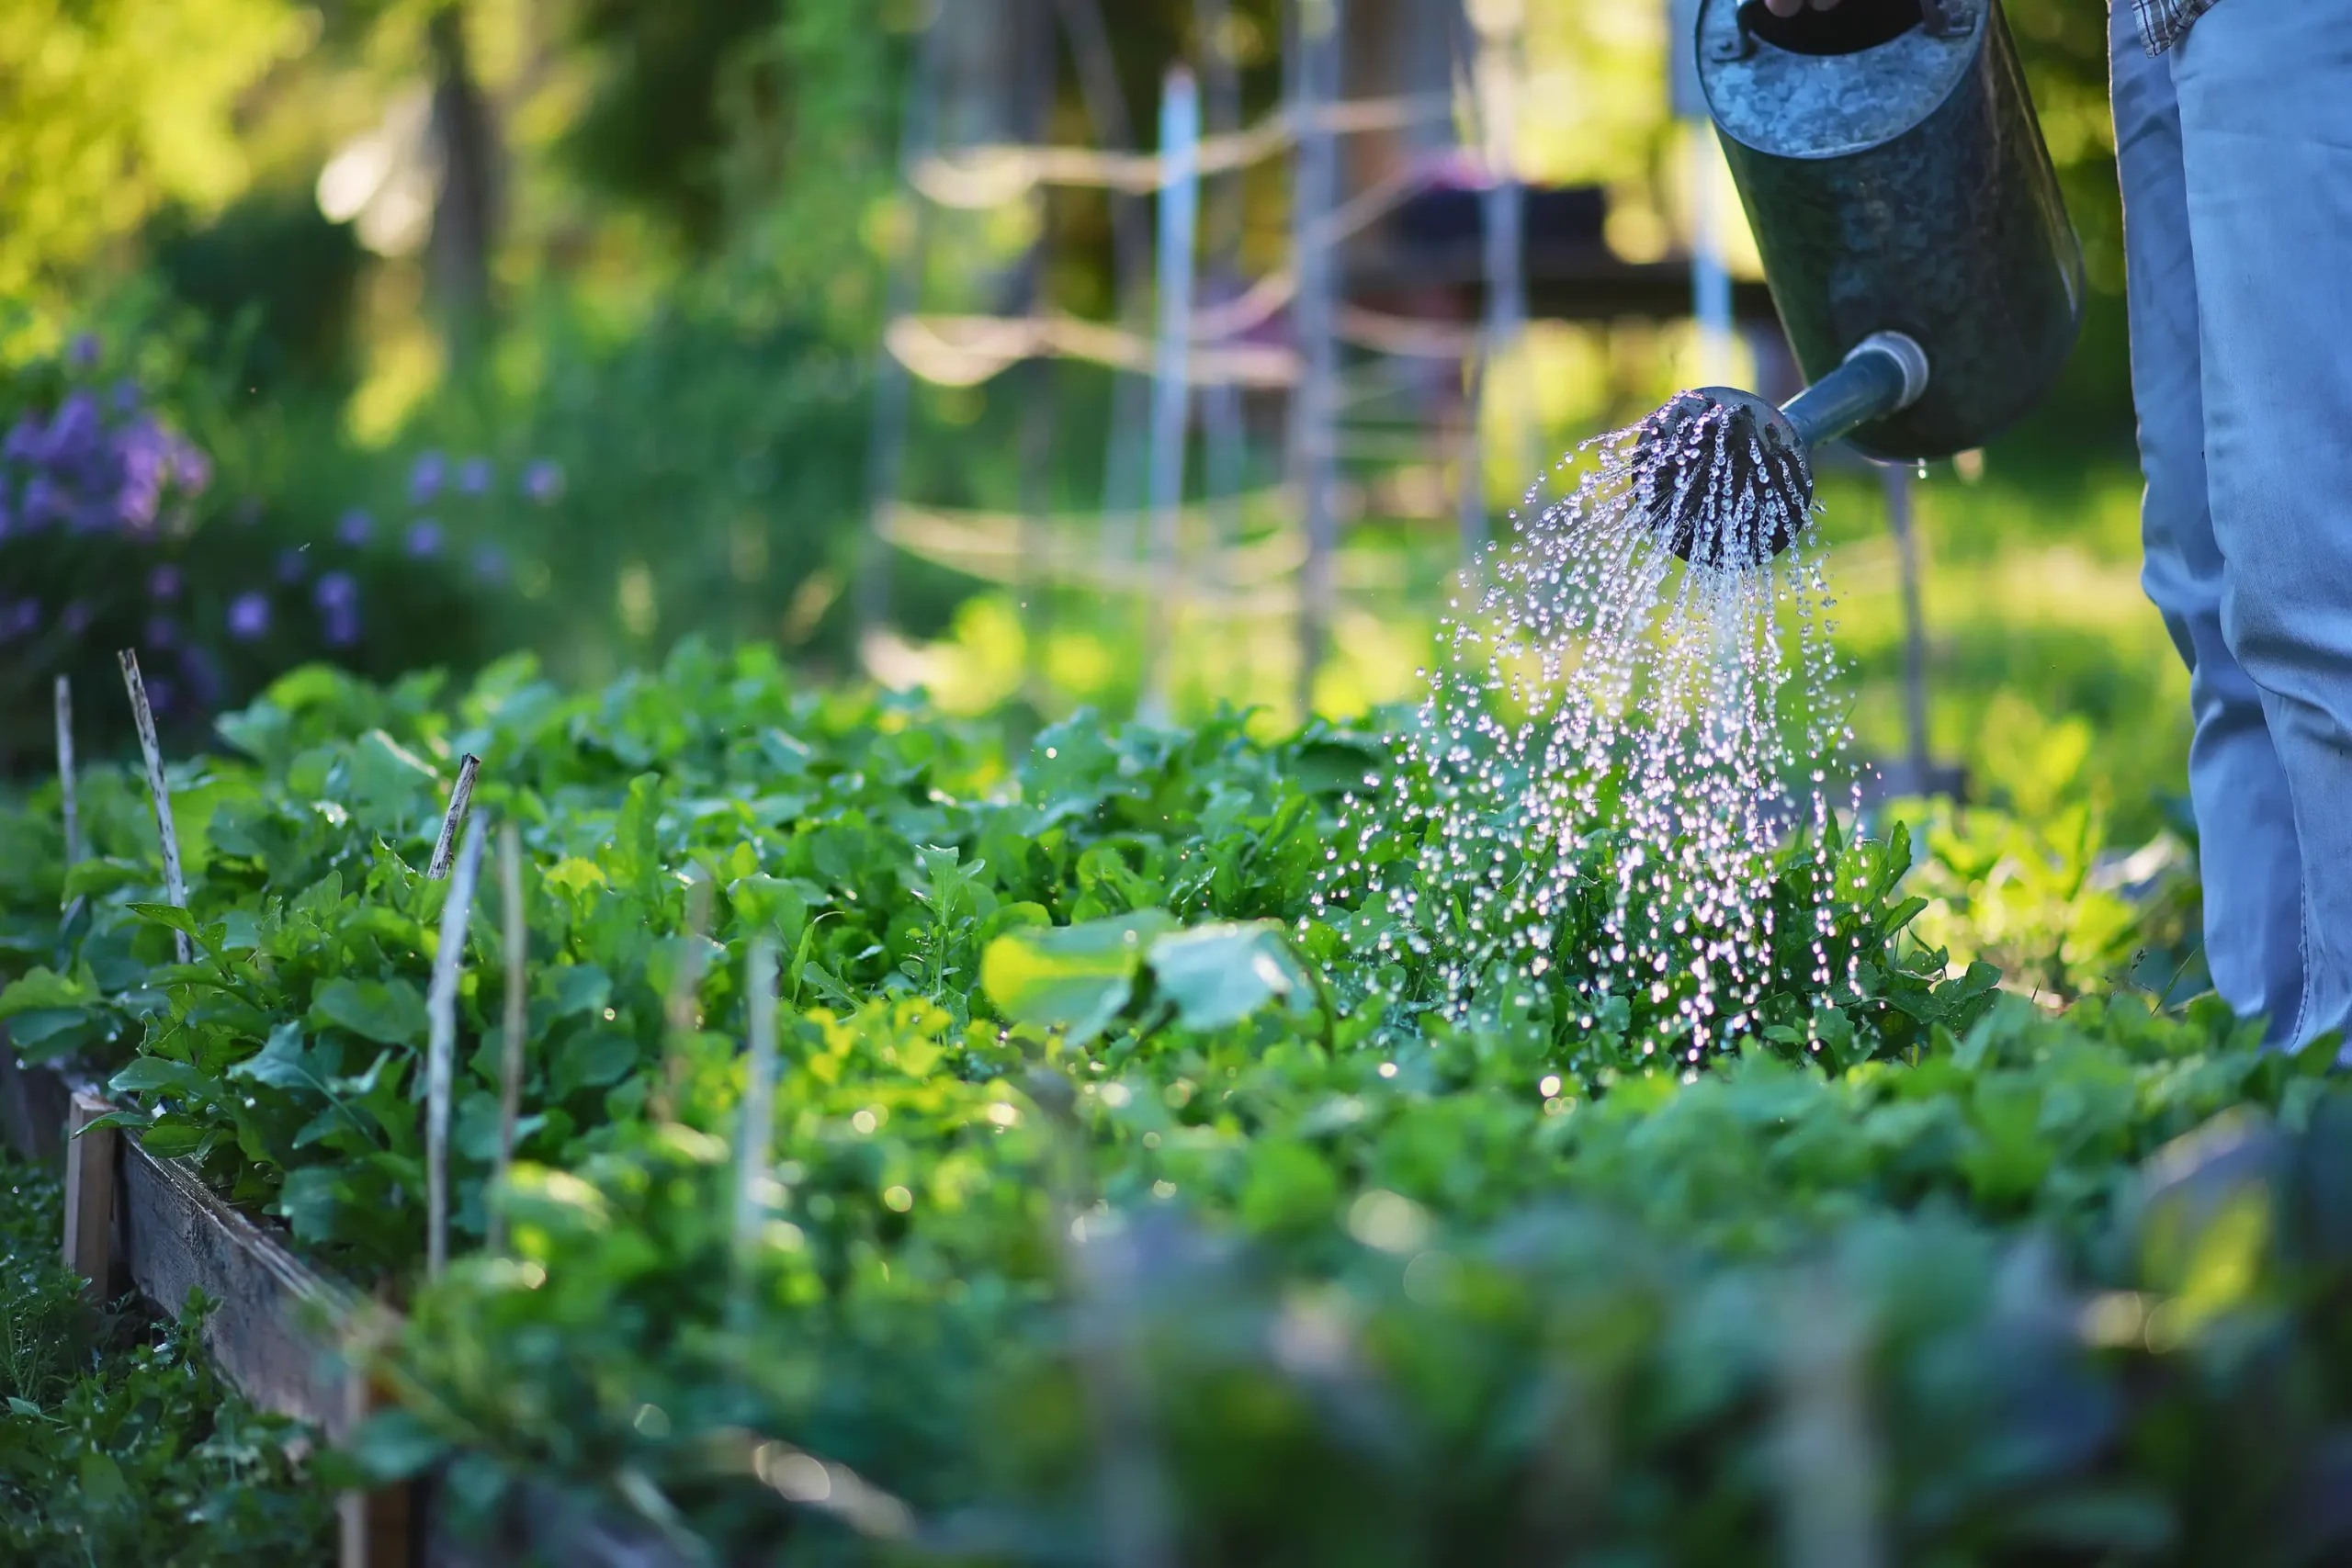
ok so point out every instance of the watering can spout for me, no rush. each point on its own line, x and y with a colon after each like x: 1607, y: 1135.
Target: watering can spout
x: 1886, y: 373
x: 1751, y: 449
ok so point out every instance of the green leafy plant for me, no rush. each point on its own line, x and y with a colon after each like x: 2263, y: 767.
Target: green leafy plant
x: 889, y: 854
x: 118, y: 1444
x: 1100, y: 1146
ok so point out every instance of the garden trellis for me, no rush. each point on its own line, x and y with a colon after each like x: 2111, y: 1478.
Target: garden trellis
x: 1241, y: 550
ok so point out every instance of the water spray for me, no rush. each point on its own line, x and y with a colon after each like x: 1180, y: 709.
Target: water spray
x: 1617, y: 800
x: 1909, y: 221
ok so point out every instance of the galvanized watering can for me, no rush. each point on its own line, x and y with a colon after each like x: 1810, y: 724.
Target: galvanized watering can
x: 1909, y: 220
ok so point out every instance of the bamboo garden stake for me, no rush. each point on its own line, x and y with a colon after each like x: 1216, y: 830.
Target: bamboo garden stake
x: 65, y: 770
x: 679, y: 1013
x: 143, y: 717
x: 69, y: 801
x: 510, y: 1071
x: 441, y: 1009
x: 759, y: 1107
x: 461, y: 799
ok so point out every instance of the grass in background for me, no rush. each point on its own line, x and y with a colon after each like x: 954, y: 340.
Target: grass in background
x: 2050, y: 675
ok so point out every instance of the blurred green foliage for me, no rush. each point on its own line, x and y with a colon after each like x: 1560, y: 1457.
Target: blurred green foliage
x: 674, y: 83
x: 700, y: 201
x: 276, y: 287
x: 2065, y: 49
x: 111, y: 110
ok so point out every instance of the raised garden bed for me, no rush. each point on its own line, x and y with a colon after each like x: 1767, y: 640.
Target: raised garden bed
x: 272, y: 1331
x: 155, y: 1228
x: 1103, y: 1197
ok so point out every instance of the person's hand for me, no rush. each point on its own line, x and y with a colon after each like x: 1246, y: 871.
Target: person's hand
x: 1790, y: 7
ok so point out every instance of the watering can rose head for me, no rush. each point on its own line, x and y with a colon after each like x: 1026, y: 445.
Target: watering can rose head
x: 1722, y: 477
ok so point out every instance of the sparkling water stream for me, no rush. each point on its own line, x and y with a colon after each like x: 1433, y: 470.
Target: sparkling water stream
x: 1619, y: 746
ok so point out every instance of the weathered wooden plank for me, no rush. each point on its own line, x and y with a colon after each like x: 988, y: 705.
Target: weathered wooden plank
x: 271, y: 1335
x: 90, y: 1166
x: 153, y: 1224
x: 382, y: 1529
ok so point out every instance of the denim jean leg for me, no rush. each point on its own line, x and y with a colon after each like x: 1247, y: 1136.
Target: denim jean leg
x: 2248, y: 856
x: 2266, y: 167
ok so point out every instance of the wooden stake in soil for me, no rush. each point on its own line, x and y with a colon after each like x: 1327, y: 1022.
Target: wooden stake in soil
x: 461, y: 799
x: 68, y: 801
x: 65, y: 771
x: 89, y: 1194
x: 1130, y: 1478
x: 510, y: 1071
x: 685, y: 990
x: 759, y: 1105
x: 1313, y: 88
x: 441, y: 1008
x: 143, y: 717
x: 378, y: 1528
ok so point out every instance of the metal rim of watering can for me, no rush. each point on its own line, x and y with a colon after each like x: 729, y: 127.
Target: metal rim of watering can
x: 1881, y: 376
x: 1906, y: 353
x: 1937, y: 19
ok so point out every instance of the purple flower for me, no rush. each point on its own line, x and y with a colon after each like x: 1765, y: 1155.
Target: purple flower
x: 126, y: 396
x: 543, y: 482
x: 342, y: 628
x: 163, y: 695
x: 82, y: 354
x: 473, y: 476
x: 23, y: 445
x: 425, y: 478
x: 41, y: 501
x: 73, y: 437
x: 134, y: 508
x: 145, y: 451
x: 162, y: 631
x: 292, y: 566
x: 490, y: 564
x: 336, y: 591
x: 193, y: 470
x: 18, y: 619
x: 355, y: 529
x: 75, y: 617
x: 425, y: 539
x: 249, y: 616
x: 163, y: 583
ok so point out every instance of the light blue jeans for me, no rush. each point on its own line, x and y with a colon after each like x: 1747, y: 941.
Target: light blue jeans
x: 2235, y: 149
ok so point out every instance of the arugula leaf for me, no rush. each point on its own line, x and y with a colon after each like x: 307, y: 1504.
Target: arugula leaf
x: 1072, y: 977
x: 1219, y: 974
x: 387, y: 1012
